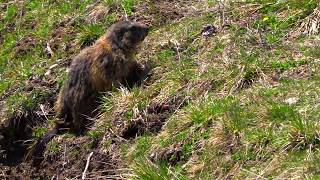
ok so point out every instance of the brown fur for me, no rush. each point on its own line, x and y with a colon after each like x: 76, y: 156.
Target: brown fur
x: 106, y: 64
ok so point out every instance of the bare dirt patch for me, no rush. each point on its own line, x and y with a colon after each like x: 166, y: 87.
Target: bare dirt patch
x: 158, y: 13
x: 62, y: 38
x: 300, y: 73
x: 171, y: 155
x: 96, y: 13
x: 154, y: 119
x: 311, y: 25
x: 16, y: 128
x: 25, y: 45
x: 16, y: 133
x: 152, y: 124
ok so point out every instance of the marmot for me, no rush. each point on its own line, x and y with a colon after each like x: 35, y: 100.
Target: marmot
x: 108, y: 63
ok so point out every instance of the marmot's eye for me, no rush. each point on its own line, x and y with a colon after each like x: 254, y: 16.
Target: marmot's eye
x: 134, y: 28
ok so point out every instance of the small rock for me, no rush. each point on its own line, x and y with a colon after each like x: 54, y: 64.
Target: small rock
x: 49, y: 50
x: 292, y: 100
x: 152, y: 156
x: 64, y: 46
x: 208, y: 30
x: 48, y: 73
x: 171, y: 44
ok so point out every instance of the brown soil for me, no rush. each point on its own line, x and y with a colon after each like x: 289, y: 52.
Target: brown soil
x: 96, y: 13
x: 171, y: 155
x: 152, y: 122
x: 62, y: 38
x: 16, y: 130
x: 25, y: 45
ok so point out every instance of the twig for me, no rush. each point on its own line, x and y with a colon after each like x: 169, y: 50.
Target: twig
x: 87, y: 165
x: 222, y: 13
x: 238, y: 84
x: 116, y: 177
x: 64, y: 155
x: 252, y: 173
x: 44, y: 113
x: 177, y: 49
x: 110, y: 170
x: 53, y: 177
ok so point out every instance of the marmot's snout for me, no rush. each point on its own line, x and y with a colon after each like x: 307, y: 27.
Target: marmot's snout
x: 145, y: 29
x: 141, y: 31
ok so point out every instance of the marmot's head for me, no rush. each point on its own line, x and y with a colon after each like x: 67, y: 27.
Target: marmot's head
x: 127, y: 35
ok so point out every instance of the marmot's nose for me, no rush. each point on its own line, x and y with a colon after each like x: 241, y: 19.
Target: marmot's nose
x: 146, y: 28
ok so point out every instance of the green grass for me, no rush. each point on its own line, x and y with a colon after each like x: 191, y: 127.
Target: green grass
x: 144, y: 169
x: 252, y: 126
x: 236, y: 120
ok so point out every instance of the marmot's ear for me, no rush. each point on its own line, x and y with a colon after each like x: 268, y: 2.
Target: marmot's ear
x: 132, y: 26
x: 116, y: 39
x: 123, y: 31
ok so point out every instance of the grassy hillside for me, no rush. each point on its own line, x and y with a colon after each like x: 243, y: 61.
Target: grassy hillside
x: 234, y: 92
